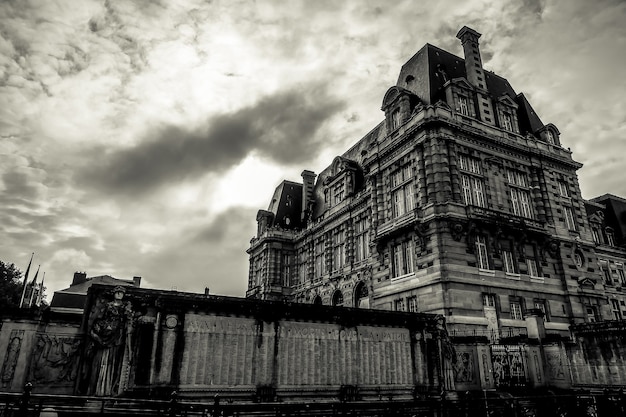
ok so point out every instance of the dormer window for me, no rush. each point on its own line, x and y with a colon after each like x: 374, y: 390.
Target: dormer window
x: 463, y: 107
x: 395, y: 119
x: 338, y: 192
x: 563, y: 189
x: 610, y: 238
x: 550, y: 137
x: 507, y: 121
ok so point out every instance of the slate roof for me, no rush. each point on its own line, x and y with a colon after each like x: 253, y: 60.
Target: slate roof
x: 426, y: 73
x: 75, y: 296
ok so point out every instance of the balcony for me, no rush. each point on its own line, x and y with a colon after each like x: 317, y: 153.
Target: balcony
x: 397, y: 223
x: 503, y: 218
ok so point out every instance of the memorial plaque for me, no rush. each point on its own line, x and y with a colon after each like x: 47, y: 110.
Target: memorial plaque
x: 215, y: 350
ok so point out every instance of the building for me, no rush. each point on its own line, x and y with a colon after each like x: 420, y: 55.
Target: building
x: 72, y: 299
x: 607, y: 219
x: 461, y: 202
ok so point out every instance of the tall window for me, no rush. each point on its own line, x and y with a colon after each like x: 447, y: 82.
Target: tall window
x: 337, y: 298
x: 402, y: 191
x: 412, y: 304
x: 302, y: 267
x: 338, y: 250
x: 592, y: 314
x: 338, y: 192
x: 520, y: 195
x: 596, y: 235
x: 395, y: 119
x: 320, y: 258
x: 531, y: 263
x: 361, y: 240
x: 489, y: 300
x: 563, y: 190
x: 610, y: 238
x: 361, y: 295
x: 550, y: 137
x: 399, y: 305
x: 508, y: 261
x: 472, y: 181
x: 463, y: 107
x: 606, y: 273
x: 402, y: 258
x: 481, y: 252
x: 569, y: 218
x: 516, y: 309
x: 617, y: 314
x: 507, y: 121
x: 541, y: 305
x: 286, y: 269
x: 620, y: 274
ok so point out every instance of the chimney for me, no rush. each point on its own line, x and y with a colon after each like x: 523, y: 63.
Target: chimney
x: 79, y: 278
x: 474, y: 72
x: 308, y: 180
x: 136, y: 281
x: 473, y: 63
x: 206, y: 291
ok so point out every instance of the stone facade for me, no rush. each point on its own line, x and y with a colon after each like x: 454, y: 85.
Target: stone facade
x: 461, y: 202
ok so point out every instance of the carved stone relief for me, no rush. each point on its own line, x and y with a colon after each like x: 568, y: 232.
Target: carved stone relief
x: 55, y: 359
x: 11, y: 357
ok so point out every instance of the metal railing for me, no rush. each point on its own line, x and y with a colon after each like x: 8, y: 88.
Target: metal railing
x: 470, y: 404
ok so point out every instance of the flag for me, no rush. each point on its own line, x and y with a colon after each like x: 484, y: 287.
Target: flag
x: 26, y: 279
x: 32, y: 288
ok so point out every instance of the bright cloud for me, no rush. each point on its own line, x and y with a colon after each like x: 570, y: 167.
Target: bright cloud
x: 140, y: 137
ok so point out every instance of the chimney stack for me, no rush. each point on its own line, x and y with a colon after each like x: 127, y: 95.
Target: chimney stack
x: 136, y: 281
x: 308, y: 181
x: 474, y: 72
x: 79, y: 278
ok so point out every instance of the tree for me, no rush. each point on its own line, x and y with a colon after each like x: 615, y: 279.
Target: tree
x: 10, y: 285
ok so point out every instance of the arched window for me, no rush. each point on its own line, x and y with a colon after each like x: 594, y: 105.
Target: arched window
x: 317, y: 301
x: 337, y: 298
x: 361, y: 296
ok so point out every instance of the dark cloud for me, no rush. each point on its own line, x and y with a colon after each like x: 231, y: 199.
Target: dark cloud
x: 210, y: 255
x: 283, y: 127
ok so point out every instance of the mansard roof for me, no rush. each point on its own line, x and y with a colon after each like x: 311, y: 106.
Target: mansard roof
x: 286, y: 205
x: 528, y: 119
x: 430, y: 69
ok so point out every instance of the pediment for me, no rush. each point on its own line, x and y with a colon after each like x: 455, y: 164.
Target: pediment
x: 597, y: 217
x: 393, y: 94
x: 508, y: 101
x: 462, y: 82
x: 553, y: 128
x: 586, y: 282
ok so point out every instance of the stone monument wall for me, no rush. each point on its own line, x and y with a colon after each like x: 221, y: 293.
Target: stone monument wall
x: 246, y: 349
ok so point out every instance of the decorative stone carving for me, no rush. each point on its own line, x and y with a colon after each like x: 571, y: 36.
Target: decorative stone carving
x: 55, y: 359
x: 457, y: 229
x: 106, y: 343
x: 11, y: 357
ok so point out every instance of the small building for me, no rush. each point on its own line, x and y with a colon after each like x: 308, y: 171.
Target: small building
x: 72, y: 299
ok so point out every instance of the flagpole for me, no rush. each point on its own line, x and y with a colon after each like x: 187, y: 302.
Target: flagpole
x: 26, y: 280
x: 32, y: 289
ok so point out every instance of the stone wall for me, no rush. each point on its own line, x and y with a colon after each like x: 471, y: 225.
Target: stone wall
x: 46, y: 354
x: 241, y: 348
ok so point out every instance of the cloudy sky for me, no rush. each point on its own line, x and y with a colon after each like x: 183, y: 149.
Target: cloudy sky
x: 141, y: 137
